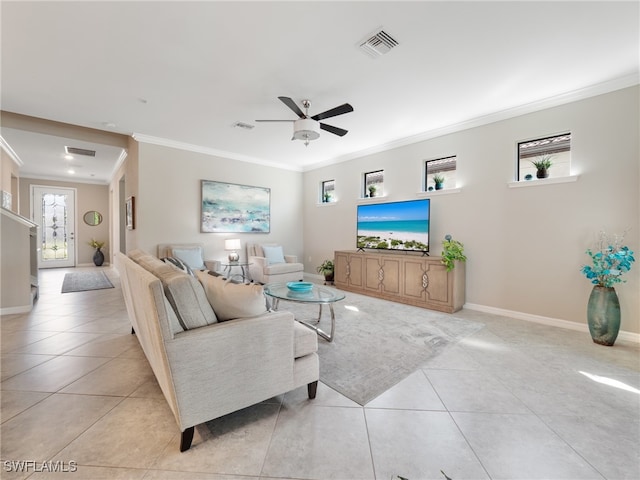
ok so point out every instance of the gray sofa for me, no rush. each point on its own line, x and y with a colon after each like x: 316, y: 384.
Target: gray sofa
x: 209, y: 371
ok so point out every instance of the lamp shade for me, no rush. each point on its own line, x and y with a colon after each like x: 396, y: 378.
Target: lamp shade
x: 232, y: 244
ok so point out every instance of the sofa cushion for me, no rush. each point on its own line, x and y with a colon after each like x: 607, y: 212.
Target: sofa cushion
x: 305, y: 340
x: 192, y: 256
x: 273, y: 253
x: 232, y: 300
x: 178, y: 264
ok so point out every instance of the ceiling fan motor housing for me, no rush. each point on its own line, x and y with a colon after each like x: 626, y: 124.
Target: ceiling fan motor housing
x: 306, y: 129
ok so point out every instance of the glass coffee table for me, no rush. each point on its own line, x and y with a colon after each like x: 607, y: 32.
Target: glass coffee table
x: 317, y: 295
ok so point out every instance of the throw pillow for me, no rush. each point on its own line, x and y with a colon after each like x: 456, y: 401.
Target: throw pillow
x: 188, y: 299
x: 177, y: 263
x: 232, y: 300
x: 192, y: 256
x: 273, y: 254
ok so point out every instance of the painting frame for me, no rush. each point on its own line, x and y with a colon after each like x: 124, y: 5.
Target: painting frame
x: 234, y: 208
x: 130, y: 213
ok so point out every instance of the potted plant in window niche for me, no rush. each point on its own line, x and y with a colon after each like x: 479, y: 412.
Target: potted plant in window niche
x: 439, y: 181
x: 542, y: 164
x: 326, y: 269
x: 327, y: 197
x: 372, y: 190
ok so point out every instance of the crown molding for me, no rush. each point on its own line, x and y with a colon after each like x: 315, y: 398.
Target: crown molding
x: 9, y: 151
x: 555, y: 101
x: 74, y: 180
x: 165, y: 142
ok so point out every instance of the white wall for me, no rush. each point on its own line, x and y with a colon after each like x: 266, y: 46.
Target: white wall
x: 525, y: 246
x: 169, y: 198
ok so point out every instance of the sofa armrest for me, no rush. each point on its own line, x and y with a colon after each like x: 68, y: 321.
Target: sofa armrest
x: 226, y: 366
x: 259, y: 261
x: 291, y: 258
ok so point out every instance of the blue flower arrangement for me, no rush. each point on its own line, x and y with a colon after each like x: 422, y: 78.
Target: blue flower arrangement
x: 609, y: 261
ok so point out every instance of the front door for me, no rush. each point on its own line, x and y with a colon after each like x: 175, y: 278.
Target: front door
x: 54, y: 210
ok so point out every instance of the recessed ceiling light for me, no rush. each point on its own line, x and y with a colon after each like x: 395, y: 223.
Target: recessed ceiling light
x: 68, y: 157
x: 71, y: 171
x: 109, y: 124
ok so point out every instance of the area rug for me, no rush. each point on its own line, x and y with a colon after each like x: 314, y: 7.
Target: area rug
x: 83, y: 281
x: 379, y: 343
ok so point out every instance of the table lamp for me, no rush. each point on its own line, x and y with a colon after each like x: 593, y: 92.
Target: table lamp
x: 232, y: 245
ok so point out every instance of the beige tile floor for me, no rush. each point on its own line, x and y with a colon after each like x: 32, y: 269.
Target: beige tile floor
x: 514, y: 401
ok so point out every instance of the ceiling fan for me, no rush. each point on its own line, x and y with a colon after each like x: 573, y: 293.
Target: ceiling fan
x: 307, y: 128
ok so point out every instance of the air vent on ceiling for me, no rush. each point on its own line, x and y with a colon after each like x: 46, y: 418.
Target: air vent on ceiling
x: 378, y: 44
x: 246, y: 126
x: 80, y: 151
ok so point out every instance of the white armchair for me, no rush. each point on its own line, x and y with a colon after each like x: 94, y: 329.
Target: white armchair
x: 269, y: 264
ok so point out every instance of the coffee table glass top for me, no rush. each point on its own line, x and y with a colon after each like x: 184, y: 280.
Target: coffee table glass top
x: 317, y: 294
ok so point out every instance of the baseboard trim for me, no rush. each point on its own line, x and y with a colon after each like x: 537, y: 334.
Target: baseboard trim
x: 14, y: 310
x: 554, y: 322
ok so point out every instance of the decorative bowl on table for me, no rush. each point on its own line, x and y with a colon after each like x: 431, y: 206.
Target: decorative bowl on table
x: 300, y: 286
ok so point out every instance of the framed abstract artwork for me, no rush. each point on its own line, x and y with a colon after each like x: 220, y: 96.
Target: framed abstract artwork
x: 233, y: 208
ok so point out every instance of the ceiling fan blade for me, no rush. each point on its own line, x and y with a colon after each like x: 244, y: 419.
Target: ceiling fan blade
x: 342, y: 109
x: 292, y: 105
x: 341, y: 132
x: 274, y: 120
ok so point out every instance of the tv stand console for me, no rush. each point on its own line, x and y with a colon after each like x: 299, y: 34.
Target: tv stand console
x: 412, y: 279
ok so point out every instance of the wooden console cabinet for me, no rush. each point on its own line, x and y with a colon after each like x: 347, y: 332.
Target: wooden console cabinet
x: 400, y: 277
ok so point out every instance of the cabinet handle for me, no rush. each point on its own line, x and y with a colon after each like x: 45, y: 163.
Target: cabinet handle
x: 425, y: 280
x: 381, y: 274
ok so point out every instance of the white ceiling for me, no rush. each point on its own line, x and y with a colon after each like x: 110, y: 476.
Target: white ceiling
x: 182, y: 73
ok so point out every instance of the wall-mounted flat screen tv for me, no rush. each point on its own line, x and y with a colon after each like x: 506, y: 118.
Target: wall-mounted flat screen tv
x: 395, y: 225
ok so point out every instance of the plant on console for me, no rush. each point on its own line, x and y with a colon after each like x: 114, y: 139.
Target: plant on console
x: 452, y: 250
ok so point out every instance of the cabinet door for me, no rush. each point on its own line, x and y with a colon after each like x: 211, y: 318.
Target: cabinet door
x: 389, y: 275
x: 341, y: 268
x: 354, y: 270
x: 437, y: 279
x: 414, y: 280
x: 372, y: 273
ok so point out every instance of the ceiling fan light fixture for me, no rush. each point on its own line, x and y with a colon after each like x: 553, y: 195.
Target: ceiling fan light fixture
x: 306, y: 130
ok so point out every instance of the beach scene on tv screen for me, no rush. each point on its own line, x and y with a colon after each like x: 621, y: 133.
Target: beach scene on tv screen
x: 395, y: 226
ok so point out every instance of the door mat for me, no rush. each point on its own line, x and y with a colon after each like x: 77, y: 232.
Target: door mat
x: 84, y: 281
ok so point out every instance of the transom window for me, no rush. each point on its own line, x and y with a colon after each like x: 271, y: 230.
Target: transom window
x: 440, y: 173
x: 374, y: 184
x: 547, y: 157
x: 327, y: 191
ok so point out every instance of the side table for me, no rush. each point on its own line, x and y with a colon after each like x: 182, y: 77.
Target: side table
x: 244, y: 267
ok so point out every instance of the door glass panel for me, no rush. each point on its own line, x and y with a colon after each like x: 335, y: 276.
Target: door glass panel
x: 54, y: 227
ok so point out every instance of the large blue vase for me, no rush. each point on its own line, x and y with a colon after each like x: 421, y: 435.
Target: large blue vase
x: 603, y: 315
